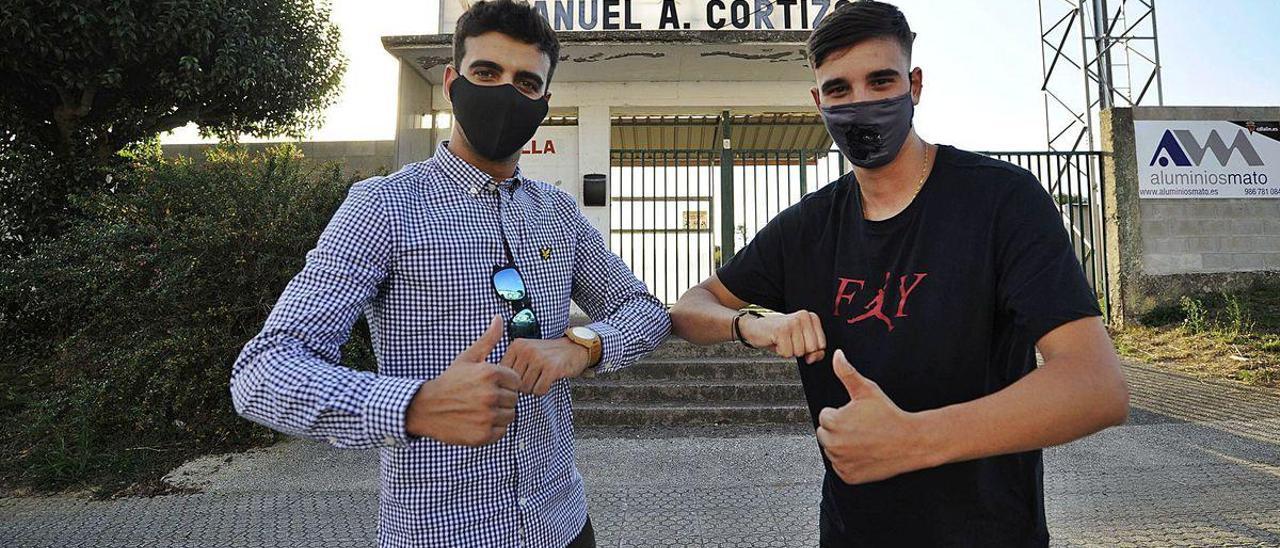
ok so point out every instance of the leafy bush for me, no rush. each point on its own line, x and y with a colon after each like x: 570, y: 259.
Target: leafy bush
x: 120, y: 334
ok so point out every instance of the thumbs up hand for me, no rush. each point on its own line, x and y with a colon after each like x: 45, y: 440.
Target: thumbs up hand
x: 472, y: 402
x: 870, y: 438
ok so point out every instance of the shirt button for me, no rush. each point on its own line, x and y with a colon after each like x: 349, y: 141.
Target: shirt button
x: 332, y: 440
x: 520, y: 445
x: 389, y: 441
x: 523, y: 501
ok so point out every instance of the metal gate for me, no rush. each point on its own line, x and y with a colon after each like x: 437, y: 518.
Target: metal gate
x: 679, y: 213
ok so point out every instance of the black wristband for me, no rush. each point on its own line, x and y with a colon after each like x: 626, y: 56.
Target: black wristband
x: 737, y: 331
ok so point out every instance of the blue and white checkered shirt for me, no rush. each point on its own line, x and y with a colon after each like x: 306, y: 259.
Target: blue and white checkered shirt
x: 414, y: 251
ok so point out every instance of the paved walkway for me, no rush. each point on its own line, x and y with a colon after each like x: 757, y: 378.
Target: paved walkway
x: 1197, y: 465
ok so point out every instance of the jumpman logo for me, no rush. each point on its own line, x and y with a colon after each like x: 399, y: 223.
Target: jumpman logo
x: 875, y: 307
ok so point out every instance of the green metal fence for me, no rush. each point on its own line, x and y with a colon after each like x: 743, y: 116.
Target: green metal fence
x: 678, y: 213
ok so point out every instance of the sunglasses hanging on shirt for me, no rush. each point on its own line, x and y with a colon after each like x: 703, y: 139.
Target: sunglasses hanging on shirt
x: 510, y: 286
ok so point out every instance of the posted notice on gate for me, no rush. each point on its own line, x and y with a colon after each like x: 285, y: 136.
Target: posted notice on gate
x: 1208, y: 159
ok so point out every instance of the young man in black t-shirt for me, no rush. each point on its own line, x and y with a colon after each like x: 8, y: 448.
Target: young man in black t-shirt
x: 914, y: 293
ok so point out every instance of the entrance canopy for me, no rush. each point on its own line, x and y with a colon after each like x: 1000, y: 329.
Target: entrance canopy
x: 771, y: 131
x: 643, y: 56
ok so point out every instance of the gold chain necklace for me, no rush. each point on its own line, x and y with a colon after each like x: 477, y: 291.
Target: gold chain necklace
x: 924, y: 172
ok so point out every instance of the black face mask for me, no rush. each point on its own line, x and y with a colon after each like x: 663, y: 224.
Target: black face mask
x: 870, y: 133
x: 497, y: 120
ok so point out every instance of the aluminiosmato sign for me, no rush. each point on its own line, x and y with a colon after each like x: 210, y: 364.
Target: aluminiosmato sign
x: 1202, y: 159
x: 624, y: 15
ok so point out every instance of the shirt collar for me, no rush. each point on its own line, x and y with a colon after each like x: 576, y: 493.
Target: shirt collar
x: 470, y: 178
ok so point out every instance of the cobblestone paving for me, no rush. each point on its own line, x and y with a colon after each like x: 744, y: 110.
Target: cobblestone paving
x: 1197, y: 465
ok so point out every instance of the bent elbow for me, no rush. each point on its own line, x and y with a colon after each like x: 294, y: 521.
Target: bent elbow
x: 245, y: 379
x: 678, y: 319
x: 1118, y: 399
x: 239, y: 393
x: 684, y: 315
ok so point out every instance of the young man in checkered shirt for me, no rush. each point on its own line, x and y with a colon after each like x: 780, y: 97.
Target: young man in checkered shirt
x: 465, y: 270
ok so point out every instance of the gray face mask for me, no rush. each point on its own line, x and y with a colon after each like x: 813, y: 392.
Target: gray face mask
x: 870, y: 133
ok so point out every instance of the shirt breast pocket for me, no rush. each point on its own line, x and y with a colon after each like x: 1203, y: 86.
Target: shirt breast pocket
x: 439, y: 282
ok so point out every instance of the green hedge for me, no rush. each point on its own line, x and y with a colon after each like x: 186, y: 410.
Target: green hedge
x: 120, y: 335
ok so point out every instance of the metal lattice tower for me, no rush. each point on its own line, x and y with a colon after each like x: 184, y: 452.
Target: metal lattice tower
x: 1095, y: 54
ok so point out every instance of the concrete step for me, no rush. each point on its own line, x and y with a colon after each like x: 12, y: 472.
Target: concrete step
x: 686, y: 385
x: 685, y: 390
x: 708, y: 369
x: 595, y: 414
x: 674, y: 348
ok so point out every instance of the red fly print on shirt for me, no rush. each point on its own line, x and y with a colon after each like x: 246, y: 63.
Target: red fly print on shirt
x: 874, y: 309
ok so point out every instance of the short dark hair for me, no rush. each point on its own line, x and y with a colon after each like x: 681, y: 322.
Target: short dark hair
x: 854, y: 22
x: 515, y: 19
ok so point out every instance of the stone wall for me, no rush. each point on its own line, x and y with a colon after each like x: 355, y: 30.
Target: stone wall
x: 1161, y: 249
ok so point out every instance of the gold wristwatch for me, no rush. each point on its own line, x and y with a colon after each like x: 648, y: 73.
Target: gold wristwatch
x: 590, y: 340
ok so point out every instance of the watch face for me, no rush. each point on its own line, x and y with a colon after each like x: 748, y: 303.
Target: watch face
x: 583, y: 333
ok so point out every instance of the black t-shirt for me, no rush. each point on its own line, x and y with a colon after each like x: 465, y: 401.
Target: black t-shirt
x: 941, y: 304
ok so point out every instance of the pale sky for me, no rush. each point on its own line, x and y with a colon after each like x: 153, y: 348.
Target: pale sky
x: 981, y: 60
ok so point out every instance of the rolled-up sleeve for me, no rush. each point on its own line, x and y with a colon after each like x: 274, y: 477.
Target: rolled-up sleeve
x: 289, y: 376
x: 631, y: 322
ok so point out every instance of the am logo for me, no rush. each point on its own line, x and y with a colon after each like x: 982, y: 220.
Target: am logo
x: 1182, y: 148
